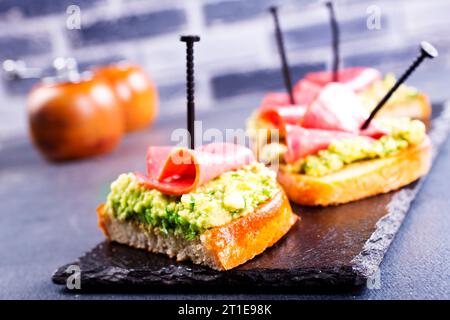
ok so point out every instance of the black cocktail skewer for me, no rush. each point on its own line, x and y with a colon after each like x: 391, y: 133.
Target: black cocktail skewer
x: 426, y: 51
x: 190, y: 85
x: 282, y: 52
x: 334, y: 41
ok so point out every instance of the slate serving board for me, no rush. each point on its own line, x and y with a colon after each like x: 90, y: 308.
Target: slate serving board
x: 333, y: 248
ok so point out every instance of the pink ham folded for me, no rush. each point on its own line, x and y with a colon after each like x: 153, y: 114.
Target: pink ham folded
x: 338, y: 108
x: 305, y: 92
x: 302, y: 142
x: 329, y: 111
x: 279, y: 116
x: 336, y: 114
x: 277, y: 109
x: 177, y: 171
x: 357, y: 79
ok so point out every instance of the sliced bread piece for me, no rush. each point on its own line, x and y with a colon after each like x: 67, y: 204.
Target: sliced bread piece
x: 358, y: 180
x: 220, y: 248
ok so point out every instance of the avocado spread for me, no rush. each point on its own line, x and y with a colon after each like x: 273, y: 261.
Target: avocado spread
x: 403, y: 133
x: 231, y: 195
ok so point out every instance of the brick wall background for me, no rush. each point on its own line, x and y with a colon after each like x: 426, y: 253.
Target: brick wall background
x: 236, y: 60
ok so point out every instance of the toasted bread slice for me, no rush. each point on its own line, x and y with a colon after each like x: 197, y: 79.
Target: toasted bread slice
x: 220, y: 248
x: 358, y: 180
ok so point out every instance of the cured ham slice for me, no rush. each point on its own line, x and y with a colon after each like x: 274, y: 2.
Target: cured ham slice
x: 276, y: 107
x: 305, y: 92
x: 338, y: 108
x: 279, y: 116
x: 177, y: 171
x: 302, y: 142
x: 357, y: 78
x: 273, y: 100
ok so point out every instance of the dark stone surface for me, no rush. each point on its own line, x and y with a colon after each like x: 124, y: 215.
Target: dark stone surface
x: 333, y: 248
x: 129, y: 27
x: 250, y: 81
x: 48, y: 218
x: 115, y: 266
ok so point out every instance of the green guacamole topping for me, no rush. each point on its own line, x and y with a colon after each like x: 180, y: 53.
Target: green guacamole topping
x: 403, y: 133
x: 231, y: 195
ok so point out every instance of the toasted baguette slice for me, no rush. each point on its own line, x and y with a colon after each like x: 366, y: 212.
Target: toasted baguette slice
x: 220, y: 248
x: 359, y: 180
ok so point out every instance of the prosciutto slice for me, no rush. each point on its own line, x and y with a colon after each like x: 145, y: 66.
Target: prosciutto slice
x: 277, y: 109
x: 302, y: 142
x: 305, y: 92
x: 338, y: 108
x: 357, y: 78
x: 276, y: 106
x: 177, y: 171
x: 279, y: 116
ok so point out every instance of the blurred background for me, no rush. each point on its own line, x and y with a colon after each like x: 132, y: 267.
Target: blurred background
x: 236, y: 60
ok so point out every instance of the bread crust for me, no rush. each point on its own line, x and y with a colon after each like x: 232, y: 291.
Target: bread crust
x: 221, y: 248
x: 359, y: 180
x: 244, y: 238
